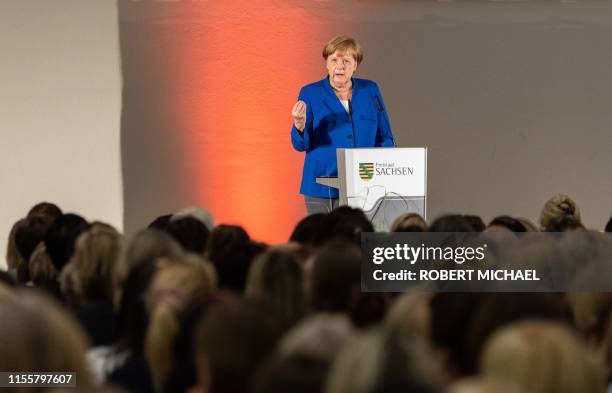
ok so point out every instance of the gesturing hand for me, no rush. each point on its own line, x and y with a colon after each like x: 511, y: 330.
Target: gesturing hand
x: 299, y: 115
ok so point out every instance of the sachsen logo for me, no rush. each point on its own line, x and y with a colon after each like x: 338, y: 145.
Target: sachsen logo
x: 366, y: 170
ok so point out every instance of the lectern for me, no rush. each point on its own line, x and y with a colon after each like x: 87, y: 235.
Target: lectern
x: 384, y: 182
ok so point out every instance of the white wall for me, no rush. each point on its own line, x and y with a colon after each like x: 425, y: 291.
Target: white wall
x: 60, y: 106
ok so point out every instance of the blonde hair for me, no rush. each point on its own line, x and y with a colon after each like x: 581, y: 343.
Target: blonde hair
x: 365, y: 361
x: 37, y: 335
x: 343, y: 44
x: 541, y: 357
x: 276, y: 279
x: 558, y: 208
x: 41, y: 268
x: 96, y: 254
x: 146, y: 245
x: 410, y: 314
x: 171, y: 291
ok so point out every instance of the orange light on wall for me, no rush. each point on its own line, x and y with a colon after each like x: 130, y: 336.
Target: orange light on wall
x: 240, y: 70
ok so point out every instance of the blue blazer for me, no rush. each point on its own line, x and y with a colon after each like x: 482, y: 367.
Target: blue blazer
x: 329, y: 126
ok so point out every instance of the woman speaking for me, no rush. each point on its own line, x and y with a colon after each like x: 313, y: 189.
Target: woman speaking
x: 337, y: 112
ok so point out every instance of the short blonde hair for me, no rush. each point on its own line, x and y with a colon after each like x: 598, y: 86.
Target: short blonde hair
x: 343, y: 44
x: 558, y: 208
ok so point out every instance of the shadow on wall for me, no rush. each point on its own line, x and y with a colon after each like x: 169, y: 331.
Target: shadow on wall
x: 155, y: 174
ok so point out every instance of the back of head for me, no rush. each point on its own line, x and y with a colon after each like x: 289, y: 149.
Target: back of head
x: 29, y: 235
x: 335, y: 278
x: 41, y: 269
x: 232, y: 341
x: 565, y: 224
x: 320, y: 336
x: 344, y: 222
x: 497, y: 310
x: 556, y: 209
x: 351, y: 225
x: 276, y: 279
x: 305, y: 231
x: 378, y: 363
x: 541, y: 357
x: 61, y: 237
x: 36, y: 335
x: 199, y: 213
x: 224, y: 239
x: 231, y: 251
x: 409, y: 222
x: 145, y: 246
x: 48, y: 210
x: 96, y: 255
x: 160, y: 223
x: 510, y: 223
x: 451, y: 314
x: 190, y: 233
x: 475, y: 221
x: 173, y: 290
x: 451, y: 223
x: 132, y: 314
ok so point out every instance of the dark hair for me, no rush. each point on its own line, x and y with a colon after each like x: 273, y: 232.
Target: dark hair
x: 47, y: 210
x: 450, y: 316
x: 510, y: 223
x: 352, y: 225
x: 343, y: 222
x: 223, y: 239
x: 230, y: 249
x: 190, y: 233
x: 61, y: 236
x: 236, y: 337
x: 305, y: 231
x: 160, y: 222
x: 608, y: 227
x: 7, y: 279
x: 28, y: 235
x: 451, y: 223
x: 132, y: 315
x: 475, y: 221
x: 295, y: 374
x: 335, y: 276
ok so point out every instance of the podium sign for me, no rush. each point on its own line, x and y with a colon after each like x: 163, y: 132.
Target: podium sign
x: 376, y: 173
x: 383, y: 182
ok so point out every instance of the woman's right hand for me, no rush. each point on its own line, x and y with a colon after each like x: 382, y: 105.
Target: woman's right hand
x: 299, y: 115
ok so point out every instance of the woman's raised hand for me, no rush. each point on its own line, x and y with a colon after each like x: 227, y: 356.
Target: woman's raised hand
x: 299, y: 115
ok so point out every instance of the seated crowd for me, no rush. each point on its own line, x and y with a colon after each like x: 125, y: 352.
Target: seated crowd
x: 188, y: 306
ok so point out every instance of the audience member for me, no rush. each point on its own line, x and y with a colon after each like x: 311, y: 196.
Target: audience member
x: 409, y: 222
x: 190, y: 233
x: 541, y: 357
x: 556, y: 209
x: 61, y: 236
x: 276, y: 280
